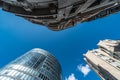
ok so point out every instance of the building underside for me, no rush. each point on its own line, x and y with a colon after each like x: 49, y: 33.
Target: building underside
x: 60, y: 14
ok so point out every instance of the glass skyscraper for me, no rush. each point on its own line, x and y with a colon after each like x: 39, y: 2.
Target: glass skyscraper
x: 36, y: 64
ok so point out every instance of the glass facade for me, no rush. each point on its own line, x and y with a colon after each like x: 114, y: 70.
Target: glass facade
x: 36, y: 64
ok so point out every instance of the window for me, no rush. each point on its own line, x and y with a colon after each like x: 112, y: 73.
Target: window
x: 74, y: 8
x: 118, y: 67
x: 97, y: 2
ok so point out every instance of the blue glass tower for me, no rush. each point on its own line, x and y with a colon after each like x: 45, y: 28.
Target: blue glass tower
x: 36, y: 64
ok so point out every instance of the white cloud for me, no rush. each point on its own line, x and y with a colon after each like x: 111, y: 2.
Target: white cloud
x: 71, y: 77
x: 84, y: 69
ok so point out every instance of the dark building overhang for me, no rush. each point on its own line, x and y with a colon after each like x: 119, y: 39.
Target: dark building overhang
x: 60, y: 14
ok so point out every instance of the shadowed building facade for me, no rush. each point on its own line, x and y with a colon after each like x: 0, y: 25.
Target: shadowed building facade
x: 60, y: 14
x: 105, y: 61
x: 36, y: 64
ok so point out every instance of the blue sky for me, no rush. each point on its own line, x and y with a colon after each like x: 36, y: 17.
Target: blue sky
x: 18, y: 36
